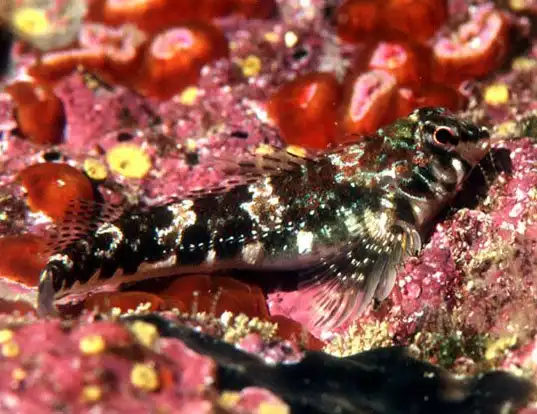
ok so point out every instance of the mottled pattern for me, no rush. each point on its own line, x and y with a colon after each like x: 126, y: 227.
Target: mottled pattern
x: 344, y: 219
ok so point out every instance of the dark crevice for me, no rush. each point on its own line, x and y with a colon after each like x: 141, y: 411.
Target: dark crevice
x: 381, y: 381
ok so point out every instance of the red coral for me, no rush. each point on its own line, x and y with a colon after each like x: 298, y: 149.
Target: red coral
x: 11, y: 307
x: 121, y: 50
x: 407, y: 99
x: 215, y: 295
x: 367, y: 100
x: 112, y: 53
x: 55, y: 188
x: 254, y: 9
x: 153, y: 16
x: 477, y: 48
x: 175, y: 57
x: 158, y: 67
x: 294, y: 331
x: 38, y: 111
x: 306, y: 110
x: 358, y: 20
x: 125, y: 301
x: 414, y: 19
x: 409, y: 63
x: 22, y: 258
x: 53, y: 66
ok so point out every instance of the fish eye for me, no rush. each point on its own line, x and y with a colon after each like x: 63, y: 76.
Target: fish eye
x: 444, y: 136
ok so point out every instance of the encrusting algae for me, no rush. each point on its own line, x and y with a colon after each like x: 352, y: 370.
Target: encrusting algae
x: 115, y: 93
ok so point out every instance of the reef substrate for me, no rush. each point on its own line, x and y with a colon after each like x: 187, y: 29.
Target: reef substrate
x: 97, y: 109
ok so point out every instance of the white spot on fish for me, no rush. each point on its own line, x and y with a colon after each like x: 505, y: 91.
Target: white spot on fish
x: 304, y: 241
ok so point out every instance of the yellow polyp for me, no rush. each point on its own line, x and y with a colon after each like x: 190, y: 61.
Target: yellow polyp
x: 10, y: 349
x: 273, y: 408
x: 517, y: 5
x: 271, y: 37
x: 228, y: 399
x: 6, y: 335
x: 496, y: 348
x: 251, y: 66
x: 145, y: 377
x: 523, y: 64
x: 115, y: 312
x: 95, y: 169
x: 241, y: 325
x: 18, y: 374
x: 145, y: 332
x: 92, y: 393
x: 31, y: 21
x: 189, y: 96
x: 497, y: 94
x: 359, y: 339
x: 505, y: 129
x: 190, y: 145
x: 92, y: 345
x: 128, y: 160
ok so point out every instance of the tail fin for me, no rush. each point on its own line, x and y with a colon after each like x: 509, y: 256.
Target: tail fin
x: 45, y: 301
x: 82, y: 218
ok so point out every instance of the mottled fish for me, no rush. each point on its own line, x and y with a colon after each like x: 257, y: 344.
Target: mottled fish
x: 344, y: 219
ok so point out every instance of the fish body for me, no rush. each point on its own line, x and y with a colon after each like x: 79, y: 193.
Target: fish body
x: 345, y: 219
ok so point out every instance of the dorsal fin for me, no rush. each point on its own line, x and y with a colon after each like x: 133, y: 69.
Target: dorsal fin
x: 264, y: 161
x: 268, y: 160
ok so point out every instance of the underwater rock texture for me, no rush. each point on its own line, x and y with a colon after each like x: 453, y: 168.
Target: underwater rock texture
x: 466, y: 303
x: 149, y: 363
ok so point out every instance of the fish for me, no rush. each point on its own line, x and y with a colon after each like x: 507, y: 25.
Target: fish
x: 344, y: 219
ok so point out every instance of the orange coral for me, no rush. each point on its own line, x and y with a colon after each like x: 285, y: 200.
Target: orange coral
x: 55, y: 188
x: 39, y: 112
x: 105, y: 301
x: 175, y: 57
x: 477, y: 48
x: 305, y: 110
x: 153, y: 16
x: 367, y: 100
x: 22, y: 258
x: 215, y: 294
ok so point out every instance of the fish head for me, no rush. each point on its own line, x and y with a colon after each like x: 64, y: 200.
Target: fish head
x: 441, y: 133
x: 446, y: 149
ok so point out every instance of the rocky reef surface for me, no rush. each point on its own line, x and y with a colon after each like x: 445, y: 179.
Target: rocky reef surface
x: 104, y: 101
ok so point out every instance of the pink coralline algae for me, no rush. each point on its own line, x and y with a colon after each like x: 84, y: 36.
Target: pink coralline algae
x: 477, y: 268
x: 108, y: 367
x: 138, y: 118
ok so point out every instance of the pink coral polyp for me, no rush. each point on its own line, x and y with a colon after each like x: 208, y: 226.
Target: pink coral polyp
x: 368, y: 99
x: 477, y: 48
